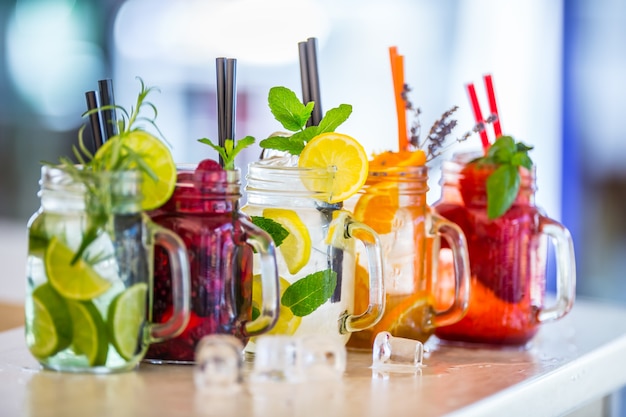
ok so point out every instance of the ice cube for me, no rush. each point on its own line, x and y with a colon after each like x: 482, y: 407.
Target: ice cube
x: 218, y: 363
x: 396, y: 354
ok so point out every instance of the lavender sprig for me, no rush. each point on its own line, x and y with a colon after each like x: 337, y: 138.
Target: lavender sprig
x: 435, y: 143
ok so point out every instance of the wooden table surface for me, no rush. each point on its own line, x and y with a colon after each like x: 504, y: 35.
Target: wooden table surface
x: 570, y: 363
x: 11, y: 315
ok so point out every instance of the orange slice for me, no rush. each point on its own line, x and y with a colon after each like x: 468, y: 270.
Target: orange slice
x: 377, y: 207
x: 390, y: 159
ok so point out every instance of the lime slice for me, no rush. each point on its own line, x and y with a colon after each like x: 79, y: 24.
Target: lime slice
x: 51, y: 327
x: 343, y: 152
x: 90, y: 334
x: 126, y: 318
x: 296, y: 248
x: 287, y: 323
x: 153, y: 154
x: 76, y: 282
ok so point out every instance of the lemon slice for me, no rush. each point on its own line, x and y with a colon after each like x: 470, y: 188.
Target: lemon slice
x: 126, y: 319
x: 90, y: 333
x: 78, y: 281
x: 342, y: 152
x: 51, y: 326
x: 287, y: 322
x: 296, y: 248
x: 154, y: 154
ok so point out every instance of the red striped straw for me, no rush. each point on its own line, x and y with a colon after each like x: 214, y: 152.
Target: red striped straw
x: 493, y: 107
x: 478, y: 116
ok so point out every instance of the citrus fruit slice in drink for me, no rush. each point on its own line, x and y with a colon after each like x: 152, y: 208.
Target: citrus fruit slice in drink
x: 296, y: 248
x: 390, y: 159
x: 90, y: 333
x: 377, y: 207
x: 287, y: 322
x: 126, y: 318
x: 150, y: 155
x: 51, y: 328
x: 336, y: 236
x: 342, y: 152
x: 78, y: 281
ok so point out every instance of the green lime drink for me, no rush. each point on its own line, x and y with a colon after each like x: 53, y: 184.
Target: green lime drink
x: 90, y: 253
x: 87, y: 306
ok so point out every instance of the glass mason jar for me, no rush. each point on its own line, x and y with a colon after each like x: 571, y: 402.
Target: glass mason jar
x: 393, y: 203
x: 507, y: 258
x: 89, y: 273
x: 204, y: 212
x: 316, y: 259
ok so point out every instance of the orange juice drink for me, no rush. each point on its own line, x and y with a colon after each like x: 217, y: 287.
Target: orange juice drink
x: 393, y: 203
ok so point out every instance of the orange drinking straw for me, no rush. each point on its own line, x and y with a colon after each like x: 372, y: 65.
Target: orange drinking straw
x: 478, y: 116
x: 397, y: 73
x: 493, y: 108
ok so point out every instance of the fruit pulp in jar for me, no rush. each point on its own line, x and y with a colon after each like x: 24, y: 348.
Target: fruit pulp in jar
x: 220, y: 270
x: 507, y: 262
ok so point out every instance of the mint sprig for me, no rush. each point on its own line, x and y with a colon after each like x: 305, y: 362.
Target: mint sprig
x: 293, y: 115
x: 504, y: 183
x: 305, y: 295
x: 276, y: 231
x: 229, y: 151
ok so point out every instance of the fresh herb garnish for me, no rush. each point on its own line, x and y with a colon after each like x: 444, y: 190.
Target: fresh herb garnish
x: 305, y: 295
x: 503, y: 184
x: 230, y: 150
x: 293, y: 115
x: 276, y: 230
x: 118, y: 157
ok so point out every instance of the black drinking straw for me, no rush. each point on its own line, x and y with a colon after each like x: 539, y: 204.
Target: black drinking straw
x: 94, y: 119
x: 220, y: 72
x: 304, y: 72
x: 231, y: 97
x: 107, y: 99
x: 314, y: 81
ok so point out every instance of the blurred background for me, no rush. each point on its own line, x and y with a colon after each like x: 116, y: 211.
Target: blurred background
x: 557, y: 67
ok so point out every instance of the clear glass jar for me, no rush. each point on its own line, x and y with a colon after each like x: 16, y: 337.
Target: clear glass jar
x: 507, y: 258
x: 316, y: 261
x: 204, y: 212
x: 89, y: 273
x: 393, y: 203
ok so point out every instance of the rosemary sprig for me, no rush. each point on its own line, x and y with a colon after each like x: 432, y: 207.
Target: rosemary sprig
x: 118, y: 157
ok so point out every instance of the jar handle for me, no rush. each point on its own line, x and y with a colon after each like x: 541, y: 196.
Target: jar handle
x: 376, y: 303
x: 565, y: 270
x: 179, y: 263
x: 454, y: 236
x: 270, y: 289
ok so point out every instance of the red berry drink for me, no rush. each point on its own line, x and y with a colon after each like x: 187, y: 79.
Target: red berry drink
x: 203, y: 211
x: 507, y: 257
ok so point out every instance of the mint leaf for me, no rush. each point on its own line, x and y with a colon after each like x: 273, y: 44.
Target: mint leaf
x: 305, y: 295
x: 287, y: 108
x: 504, y: 183
x: 522, y: 159
x: 230, y: 149
x: 255, y: 313
x: 334, y: 118
x: 276, y: 231
x: 502, y: 150
x: 502, y: 187
x: 281, y: 143
x: 220, y: 150
x: 293, y: 115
